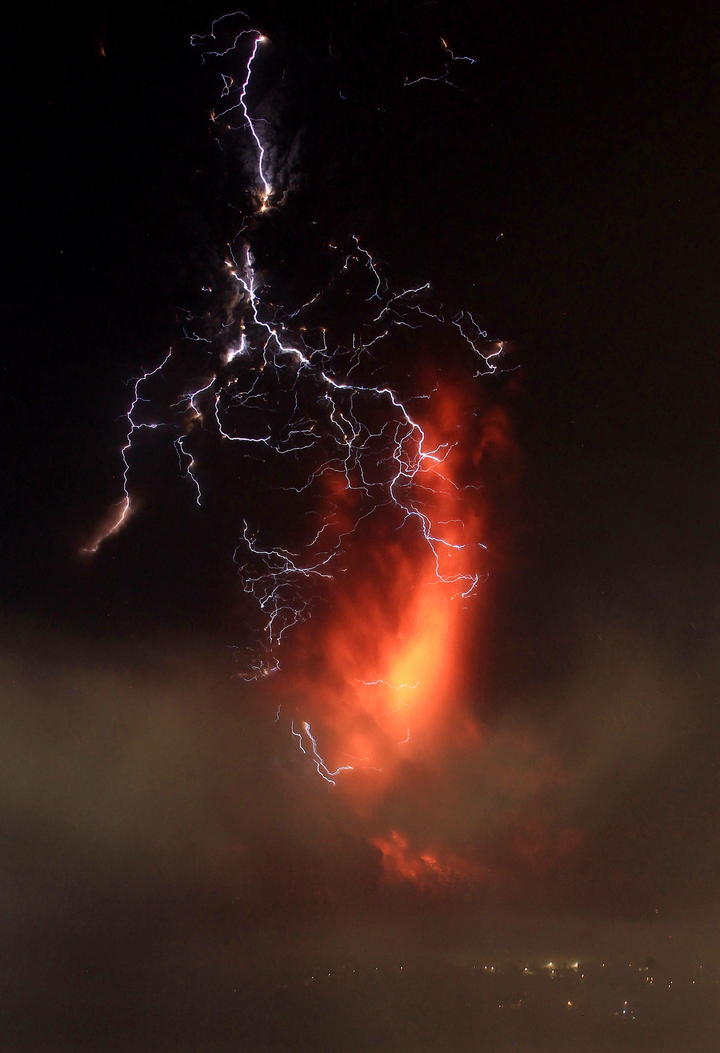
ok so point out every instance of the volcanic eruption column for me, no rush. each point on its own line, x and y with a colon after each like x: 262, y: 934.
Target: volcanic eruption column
x: 381, y: 536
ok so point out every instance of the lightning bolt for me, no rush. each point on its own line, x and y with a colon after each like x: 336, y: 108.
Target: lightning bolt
x: 262, y: 362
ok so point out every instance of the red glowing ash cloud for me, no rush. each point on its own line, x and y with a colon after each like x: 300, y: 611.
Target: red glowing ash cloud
x: 387, y: 673
x: 427, y: 868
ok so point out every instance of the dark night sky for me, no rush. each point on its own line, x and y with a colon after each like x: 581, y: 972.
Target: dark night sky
x: 588, y: 142
x: 587, y: 136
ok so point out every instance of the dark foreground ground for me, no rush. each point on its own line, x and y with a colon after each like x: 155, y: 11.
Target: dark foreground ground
x: 429, y: 1005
